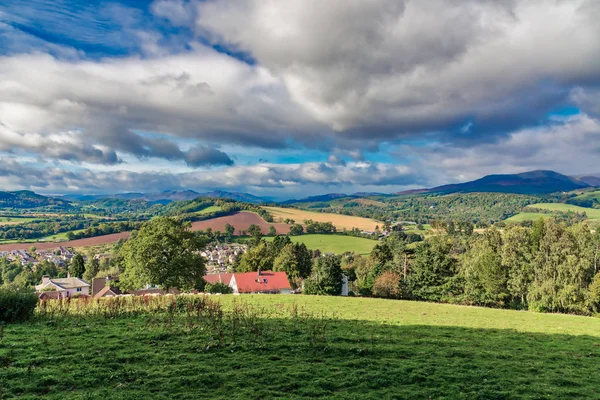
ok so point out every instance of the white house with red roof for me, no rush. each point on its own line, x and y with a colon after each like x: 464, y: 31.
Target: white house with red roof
x: 253, y: 282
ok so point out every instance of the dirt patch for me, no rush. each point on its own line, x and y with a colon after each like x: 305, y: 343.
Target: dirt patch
x: 93, y: 241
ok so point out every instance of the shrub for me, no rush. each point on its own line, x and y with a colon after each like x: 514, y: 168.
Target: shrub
x: 217, y: 287
x: 16, y: 303
x: 387, y: 286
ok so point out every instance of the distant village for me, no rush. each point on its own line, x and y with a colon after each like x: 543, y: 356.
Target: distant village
x: 60, y: 256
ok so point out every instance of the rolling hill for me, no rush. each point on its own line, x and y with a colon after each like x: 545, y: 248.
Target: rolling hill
x: 534, y: 182
x: 28, y: 199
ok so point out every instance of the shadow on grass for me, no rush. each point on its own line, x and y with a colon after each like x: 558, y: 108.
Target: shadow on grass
x: 276, y: 358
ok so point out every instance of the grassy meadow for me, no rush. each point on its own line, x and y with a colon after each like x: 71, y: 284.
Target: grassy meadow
x: 336, y: 244
x: 592, y: 213
x: 338, y: 220
x: 276, y: 346
x: 210, y: 209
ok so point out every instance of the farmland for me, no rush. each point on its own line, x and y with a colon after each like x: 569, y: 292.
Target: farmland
x: 336, y: 244
x: 592, y: 213
x: 241, y: 221
x: 528, y: 216
x: 360, y: 348
x: 338, y: 220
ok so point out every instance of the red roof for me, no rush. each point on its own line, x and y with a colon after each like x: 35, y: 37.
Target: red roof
x: 267, y: 281
x: 224, y: 278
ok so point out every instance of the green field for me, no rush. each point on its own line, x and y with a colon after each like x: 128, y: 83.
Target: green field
x: 337, y: 244
x: 589, y: 195
x: 16, y: 220
x: 210, y: 209
x: 59, y: 237
x: 592, y: 213
x: 361, y: 349
x: 528, y: 216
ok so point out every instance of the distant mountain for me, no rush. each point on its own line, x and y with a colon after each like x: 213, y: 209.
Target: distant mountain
x: 318, y: 198
x: 592, y: 180
x: 534, y: 182
x: 29, y: 199
x: 172, y: 195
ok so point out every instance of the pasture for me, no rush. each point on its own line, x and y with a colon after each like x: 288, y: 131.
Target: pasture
x: 592, y: 213
x: 305, y: 347
x: 338, y: 220
x: 210, y: 209
x: 528, y: 216
x: 337, y: 244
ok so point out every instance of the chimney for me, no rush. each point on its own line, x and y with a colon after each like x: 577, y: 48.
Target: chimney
x: 45, y: 279
x: 259, y: 272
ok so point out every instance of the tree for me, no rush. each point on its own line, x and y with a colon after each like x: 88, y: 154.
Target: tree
x: 326, y: 278
x: 229, y: 230
x: 433, y: 271
x: 256, y: 233
x: 165, y: 253
x: 77, y: 267
x: 258, y: 257
x: 272, y: 231
x: 92, y: 268
x: 517, y: 259
x: 296, y: 261
x: 296, y: 230
x: 485, y: 279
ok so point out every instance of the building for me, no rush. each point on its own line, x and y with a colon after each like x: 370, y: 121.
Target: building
x: 66, y: 287
x: 253, y: 282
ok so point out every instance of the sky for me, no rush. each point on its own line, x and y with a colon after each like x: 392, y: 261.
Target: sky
x: 294, y: 98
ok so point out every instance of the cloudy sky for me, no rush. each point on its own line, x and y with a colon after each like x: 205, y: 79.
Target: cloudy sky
x: 293, y: 98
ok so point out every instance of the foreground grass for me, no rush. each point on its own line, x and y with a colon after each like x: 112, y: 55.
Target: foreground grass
x: 370, y: 349
x: 337, y: 244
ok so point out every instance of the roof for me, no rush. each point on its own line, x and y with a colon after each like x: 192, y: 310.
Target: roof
x: 64, y: 283
x: 108, y: 291
x: 266, y: 281
x: 224, y: 278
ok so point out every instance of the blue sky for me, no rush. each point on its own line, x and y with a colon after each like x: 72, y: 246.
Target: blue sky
x: 294, y: 98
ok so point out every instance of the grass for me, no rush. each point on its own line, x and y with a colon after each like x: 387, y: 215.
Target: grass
x: 371, y: 349
x: 528, y: 216
x: 589, y: 195
x: 337, y: 244
x: 59, y: 237
x: 592, y: 213
x: 16, y: 220
x: 210, y: 209
x: 338, y: 220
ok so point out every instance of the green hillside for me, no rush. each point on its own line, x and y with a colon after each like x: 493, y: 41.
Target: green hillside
x: 305, y: 347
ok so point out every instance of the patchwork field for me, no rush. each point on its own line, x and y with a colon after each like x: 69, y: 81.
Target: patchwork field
x: 336, y: 244
x: 306, y: 347
x: 339, y: 221
x: 240, y: 221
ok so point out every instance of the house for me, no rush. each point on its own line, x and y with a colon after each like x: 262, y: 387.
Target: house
x: 66, y: 287
x: 253, y: 282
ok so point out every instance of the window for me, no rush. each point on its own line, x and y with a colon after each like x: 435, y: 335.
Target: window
x: 79, y: 289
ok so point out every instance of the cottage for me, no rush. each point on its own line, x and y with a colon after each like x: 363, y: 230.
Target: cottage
x: 254, y: 282
x: 66, y: 287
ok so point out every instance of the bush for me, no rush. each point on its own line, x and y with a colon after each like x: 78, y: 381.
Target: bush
x: 387, y: 286
x: 16, y: 304
x: 217, y: 287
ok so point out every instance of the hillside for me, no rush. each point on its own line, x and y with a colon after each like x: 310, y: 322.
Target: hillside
x: 534, y: 182
x: 28, y: 199
x: 305, y: 347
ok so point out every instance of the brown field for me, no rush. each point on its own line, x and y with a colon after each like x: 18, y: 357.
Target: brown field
x: 94, y: 241
x: 369, y: 202
x: 339, y: 221
x: 240, y: 221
